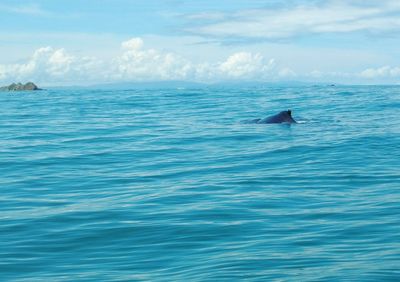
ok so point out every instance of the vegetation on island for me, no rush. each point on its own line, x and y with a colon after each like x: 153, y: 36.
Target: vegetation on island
x: 30, y: 86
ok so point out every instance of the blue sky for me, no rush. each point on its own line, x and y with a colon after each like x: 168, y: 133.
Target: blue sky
x: 95, y: 41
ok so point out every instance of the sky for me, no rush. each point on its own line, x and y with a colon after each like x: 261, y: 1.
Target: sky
x: 72, y: 42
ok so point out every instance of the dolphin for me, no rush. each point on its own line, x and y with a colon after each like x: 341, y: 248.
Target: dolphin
x: 282, y: 117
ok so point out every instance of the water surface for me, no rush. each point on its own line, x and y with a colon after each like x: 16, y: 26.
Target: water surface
x: 171, y: 185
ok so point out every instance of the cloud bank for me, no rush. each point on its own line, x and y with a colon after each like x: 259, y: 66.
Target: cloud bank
x: 53, y: 65
x: 381, y: 72
x: 136, y: 63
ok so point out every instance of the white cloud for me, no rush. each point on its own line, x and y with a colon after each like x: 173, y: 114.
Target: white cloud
x: 381, y: 72
x: 133, y: 44
x: 331, y: 16
x: 27, y: 9
x: 287, y: 73
x: 136, y: 63
x: 246, y: 65
x: 52, y: 65
x: 59, y: 62
x: 206, y: 16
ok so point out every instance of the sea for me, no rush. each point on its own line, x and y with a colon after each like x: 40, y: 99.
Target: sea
x: 172, y: 184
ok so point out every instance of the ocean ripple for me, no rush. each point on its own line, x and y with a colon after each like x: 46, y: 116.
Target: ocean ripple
x: 171, y: 185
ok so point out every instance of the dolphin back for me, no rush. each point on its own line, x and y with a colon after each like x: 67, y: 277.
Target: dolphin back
x: 282, y: 117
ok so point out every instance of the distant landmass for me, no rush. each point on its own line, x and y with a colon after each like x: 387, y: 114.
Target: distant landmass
x: 30, y: 86
x: 149, y: 85
x: 185, y: 85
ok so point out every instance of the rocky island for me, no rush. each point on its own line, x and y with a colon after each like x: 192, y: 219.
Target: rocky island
x: 30, y: 86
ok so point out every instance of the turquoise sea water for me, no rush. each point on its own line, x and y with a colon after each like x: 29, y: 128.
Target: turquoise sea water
x: 171, y: 185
